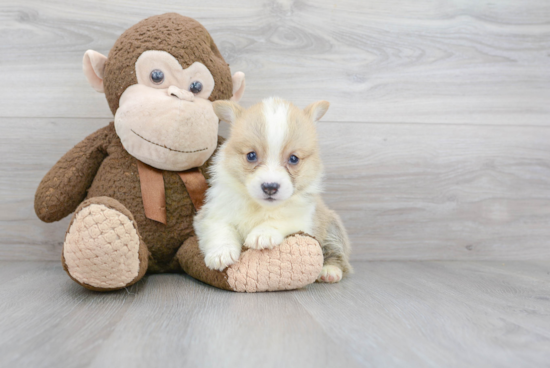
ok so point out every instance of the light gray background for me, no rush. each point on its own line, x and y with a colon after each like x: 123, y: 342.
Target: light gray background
x: 437, y: 142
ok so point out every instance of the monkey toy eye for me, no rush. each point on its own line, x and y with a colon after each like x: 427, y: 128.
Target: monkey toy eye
x: 195, y: 87
x: 251, y: 157
x: 157, y: 76
x: 293, y: 160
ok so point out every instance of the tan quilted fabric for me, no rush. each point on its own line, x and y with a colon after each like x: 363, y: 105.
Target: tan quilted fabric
x: 295, y: 263
x: 101, y: 248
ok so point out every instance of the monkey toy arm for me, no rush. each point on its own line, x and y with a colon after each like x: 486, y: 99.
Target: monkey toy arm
x: 64, y: 187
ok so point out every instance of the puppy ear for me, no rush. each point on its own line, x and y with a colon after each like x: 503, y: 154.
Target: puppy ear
x: 227, y: 111
x: 238, y: 86
x: 93, y: 65
x: 316, y: 110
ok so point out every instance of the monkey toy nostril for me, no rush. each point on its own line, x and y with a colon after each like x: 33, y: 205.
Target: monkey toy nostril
x: 180, y: 94
x: 270, y: 188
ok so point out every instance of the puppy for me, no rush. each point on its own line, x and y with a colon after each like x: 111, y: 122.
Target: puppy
x: 266, y: 184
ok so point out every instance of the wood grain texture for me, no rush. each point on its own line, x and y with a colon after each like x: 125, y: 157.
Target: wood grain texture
x: 439, y: 314
x: 198, y: 326
x: 388, y: 314
x: 48, y: 320
x: 447, y: 192
x: 469, y: 61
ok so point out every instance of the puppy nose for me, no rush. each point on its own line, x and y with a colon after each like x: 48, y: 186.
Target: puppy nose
x: 270, y: 188
x: 180, y: 93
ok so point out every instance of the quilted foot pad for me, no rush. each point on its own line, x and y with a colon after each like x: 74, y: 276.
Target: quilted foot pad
x: 102, y: 248
x: 296, y: 263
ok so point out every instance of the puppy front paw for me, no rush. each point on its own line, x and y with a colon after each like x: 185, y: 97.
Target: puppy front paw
x: 263, y: 238
x: 330, y: 274
x: 222, y: 257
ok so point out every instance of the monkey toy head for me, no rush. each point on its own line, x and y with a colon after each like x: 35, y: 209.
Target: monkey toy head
x: 160, y: 80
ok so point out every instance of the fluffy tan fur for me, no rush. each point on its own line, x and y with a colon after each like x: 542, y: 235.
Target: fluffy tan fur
x: 237, y: 211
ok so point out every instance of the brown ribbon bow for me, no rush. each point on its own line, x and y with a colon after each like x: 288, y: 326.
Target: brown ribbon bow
x: 154, y: 196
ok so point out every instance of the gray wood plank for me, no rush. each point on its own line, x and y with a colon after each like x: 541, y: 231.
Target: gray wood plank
x: 387, y: 314
x: 436, y: 314
x: 447, y: 62
x: 405, y: 191
x: 440, y: 192
x: 503, y: 290
x: 47, y: 320
x: 193, y: 325
x: 10, y: 270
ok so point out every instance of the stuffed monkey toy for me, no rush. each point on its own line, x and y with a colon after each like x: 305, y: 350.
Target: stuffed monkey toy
x: 135, y: 185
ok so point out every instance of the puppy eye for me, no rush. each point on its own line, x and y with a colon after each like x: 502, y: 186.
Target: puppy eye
x: 251, y: 156
x: 293, y: 160
x: 157, y: 76
x: 195, y: 87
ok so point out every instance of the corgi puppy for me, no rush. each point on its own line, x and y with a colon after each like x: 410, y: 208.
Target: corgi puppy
x: 266, y: 184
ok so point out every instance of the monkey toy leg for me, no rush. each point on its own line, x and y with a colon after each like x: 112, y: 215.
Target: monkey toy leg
x: 103, y: 250
x: 294, y: 264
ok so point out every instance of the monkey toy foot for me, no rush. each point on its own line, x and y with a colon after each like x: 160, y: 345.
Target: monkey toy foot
x: 294, y: 264
x: 103, y: 250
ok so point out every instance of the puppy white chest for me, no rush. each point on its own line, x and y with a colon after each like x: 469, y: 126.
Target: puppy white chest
x: 287, y: 219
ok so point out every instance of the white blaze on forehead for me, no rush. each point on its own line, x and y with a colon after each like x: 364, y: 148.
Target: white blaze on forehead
x: 276, y: 117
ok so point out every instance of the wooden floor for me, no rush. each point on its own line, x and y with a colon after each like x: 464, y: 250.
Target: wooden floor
x: 389, y: 314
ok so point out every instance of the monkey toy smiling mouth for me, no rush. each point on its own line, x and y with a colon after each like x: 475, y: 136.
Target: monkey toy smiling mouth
x: 168, y: 148
x: 166, y: 119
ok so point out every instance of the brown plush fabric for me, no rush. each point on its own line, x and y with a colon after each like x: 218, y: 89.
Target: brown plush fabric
x: 182, y: 37
x: 117, y: 177
x: 64, y: 187
x: 143, y: 251
x: 192, y: 262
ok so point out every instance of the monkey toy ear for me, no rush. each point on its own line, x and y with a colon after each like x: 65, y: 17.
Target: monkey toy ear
x: 93, y: 65
x: 238, y: 86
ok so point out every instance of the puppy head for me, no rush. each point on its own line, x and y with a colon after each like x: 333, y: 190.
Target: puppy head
x: 272, y: 150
